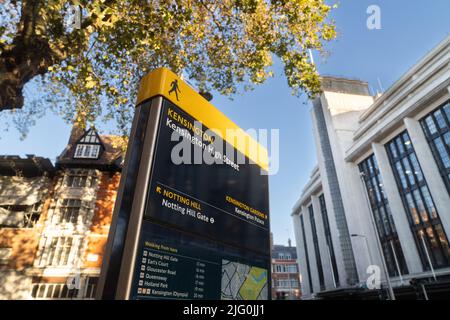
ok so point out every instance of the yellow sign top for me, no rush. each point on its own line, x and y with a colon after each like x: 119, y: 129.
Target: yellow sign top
x: 163, y: 82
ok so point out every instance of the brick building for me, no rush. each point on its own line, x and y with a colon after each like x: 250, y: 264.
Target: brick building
x: 285, y: 273
x: 58, y: 255
x: 25, y: 184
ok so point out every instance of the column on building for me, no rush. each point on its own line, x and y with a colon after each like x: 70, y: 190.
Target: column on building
x: 341, y: 114
x: 430, y: 171
x: 398, y: 210
x: 336, y: 238
x: 365, y: 240
x: 323, y: 247
x: 301, y: 255
x: 311, y: 252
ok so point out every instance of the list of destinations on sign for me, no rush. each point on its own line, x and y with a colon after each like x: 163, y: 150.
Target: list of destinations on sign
x: 160, y: 271
x: 184, y: 267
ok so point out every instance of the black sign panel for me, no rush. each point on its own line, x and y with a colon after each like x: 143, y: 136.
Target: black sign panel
x: 216, y: 200
x: 205, y: 233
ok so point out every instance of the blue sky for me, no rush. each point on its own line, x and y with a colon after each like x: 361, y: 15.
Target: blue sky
x: 409, y: 29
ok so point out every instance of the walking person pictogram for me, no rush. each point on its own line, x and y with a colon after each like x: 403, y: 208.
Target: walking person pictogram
x: 174, y: 88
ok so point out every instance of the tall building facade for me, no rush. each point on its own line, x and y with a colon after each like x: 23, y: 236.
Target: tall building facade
x: 25, y: 191
x: 380, y: 194
x: 73, y: 209
x: 285, y: 273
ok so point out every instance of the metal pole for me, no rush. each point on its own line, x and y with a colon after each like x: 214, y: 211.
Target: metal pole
x: 368, y: 249
x: 378, y: 242
x: 366, y: 242
x: 396, y: 262
x: 424, y: 291
x: 428, y: 255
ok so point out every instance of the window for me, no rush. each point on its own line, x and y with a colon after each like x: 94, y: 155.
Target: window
x: 5, y: 255
x: 326, y: 225
x: 87, y: 151
x: 284, y: 256
x: 286, y: 268
x: 32, y: 215
x: 308, y: 268
x: 316, y: 247
x: 390, y: 243
x: 80, y: 179
x: 88, y: 146
x: 69, y: 210
x: 20, y: 216
x: 292, y: 268
x: 91, y: 288
x: 60, y: 290
x: 53, y: 291
x: 424, y: 220
x: 58, y: 251
x: 287, y: 283
x: 90, y: 137
x: 436, y: 126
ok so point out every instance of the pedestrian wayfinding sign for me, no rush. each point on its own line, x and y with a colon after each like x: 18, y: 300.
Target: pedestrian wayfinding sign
x: 192, y: 213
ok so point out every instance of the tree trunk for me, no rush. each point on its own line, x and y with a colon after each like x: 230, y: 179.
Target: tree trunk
x: 18, y: 66
x: 27, y: 56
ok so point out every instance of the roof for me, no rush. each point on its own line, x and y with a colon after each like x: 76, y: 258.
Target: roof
x: 111, y: 156
x: 344, y: 85
x: 423, y: 84
x: 408, y: 76
x: 284, y: 249
x: 31, y: 166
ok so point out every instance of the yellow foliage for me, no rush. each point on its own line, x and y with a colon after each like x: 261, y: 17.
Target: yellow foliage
x: 219, y: 44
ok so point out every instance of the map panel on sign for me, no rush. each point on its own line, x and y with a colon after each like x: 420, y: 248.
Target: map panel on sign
x: 243, y: 282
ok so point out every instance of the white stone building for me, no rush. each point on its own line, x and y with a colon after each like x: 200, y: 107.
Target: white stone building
x: 385, y: 159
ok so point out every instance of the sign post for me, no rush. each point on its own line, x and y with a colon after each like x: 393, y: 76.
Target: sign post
x: 191, y: 219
